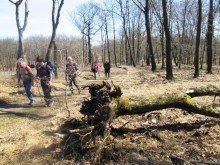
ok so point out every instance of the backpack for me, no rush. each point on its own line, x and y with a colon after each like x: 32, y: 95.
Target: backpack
x: 52, y: 69
x: 107, y: 65
x: 95, y: 68
x: 48, y: 63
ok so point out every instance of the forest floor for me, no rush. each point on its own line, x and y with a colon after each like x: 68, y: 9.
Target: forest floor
x: 30, y: 135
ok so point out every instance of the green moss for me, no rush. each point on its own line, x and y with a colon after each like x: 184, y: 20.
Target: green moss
x: 188, y: 99
x: 121, y: 102
x: 170, y: 98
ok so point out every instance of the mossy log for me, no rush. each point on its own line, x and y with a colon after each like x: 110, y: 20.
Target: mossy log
x: 204, y: 91
x: 181, y: 101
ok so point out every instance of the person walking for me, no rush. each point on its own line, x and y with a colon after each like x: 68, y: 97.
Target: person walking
x: 27, y: 76
x: 43, y: 73
x: 107, y: 67
x: 95, y: 69
x: 72, y: 71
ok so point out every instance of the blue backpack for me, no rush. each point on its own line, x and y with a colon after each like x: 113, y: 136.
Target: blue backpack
x: 52, y: 69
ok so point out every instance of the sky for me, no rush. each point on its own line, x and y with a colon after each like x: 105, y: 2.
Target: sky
x: 39, y: 19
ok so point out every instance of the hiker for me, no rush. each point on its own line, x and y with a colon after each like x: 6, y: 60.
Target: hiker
x: 52, y: 69
x: 27, y: 76
x: 107, y: 67
x: 95, y: 69
x: 72, y: 71
x: 44, y: 74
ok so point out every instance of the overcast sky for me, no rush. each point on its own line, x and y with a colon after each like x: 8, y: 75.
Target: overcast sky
x: 39, y: 19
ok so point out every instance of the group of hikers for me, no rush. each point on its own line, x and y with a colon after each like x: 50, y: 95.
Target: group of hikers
x: 44, y: 71
x: 95, y: 69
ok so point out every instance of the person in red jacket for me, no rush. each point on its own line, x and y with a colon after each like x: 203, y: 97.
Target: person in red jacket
x: 95, y: 69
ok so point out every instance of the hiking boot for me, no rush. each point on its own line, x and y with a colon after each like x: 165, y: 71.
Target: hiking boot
x: 49, y: 102
x: 31, y: 103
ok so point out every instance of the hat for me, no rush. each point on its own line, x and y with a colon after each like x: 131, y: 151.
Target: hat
x: 69, y: 58
x: 20, y: 60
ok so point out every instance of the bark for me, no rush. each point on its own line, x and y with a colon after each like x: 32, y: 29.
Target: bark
x: 196, y: 60
x: 209, y: 36
x: 169, y: 70
x: 149, y: 40
x: 55, y: 23
x: 20, y: 28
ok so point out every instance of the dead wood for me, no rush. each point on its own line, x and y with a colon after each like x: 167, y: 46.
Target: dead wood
x: 180, y: 101
x: 106, y: 103
x: 204, y: 91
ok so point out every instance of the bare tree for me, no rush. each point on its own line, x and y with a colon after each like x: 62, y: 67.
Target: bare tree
x: 169, y: 70
x: 55, y: 23
x: 209, y: 36
x: 124, y: 12
x: 87, y: 21
x: 199, y: 22
x: 20, y: 28
x: 146, y: 10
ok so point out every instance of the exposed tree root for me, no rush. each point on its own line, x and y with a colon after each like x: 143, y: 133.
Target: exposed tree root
x: 90, y: 135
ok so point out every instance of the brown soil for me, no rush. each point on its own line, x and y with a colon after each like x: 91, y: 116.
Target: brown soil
x: 29, y: 135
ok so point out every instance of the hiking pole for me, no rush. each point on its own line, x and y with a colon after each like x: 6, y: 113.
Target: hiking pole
x: 39, y: 90
x: 67, y: 108
x: 56, y: 96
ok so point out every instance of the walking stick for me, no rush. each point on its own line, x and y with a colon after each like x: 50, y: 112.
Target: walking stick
x: 39, y: 90
x: 67, y: 108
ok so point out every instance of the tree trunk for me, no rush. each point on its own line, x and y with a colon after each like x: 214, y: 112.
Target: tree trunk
x: 209, y: 36
x: 20, y: 29
x: 180, y: 101
x: 55, y: 23
x: 149, y: 40
x: 196, y: 58
x: 169, y: 70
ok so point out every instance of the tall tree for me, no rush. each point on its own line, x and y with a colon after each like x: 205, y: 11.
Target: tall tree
x: 209, y: 36
x: 55, y: 23
x: 87, y: 21
x: 20, y: 28
x: 124, y: 12
x: 169, y: 69
x: 146, y: 10
x: 199, y: 22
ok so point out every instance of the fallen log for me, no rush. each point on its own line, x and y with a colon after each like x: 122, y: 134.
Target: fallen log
x: 210, y: 90
x: 180, y: 101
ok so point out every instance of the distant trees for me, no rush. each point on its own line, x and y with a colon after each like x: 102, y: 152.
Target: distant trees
x: 20, y: 28
x: 139, y: 32
x: 87, y: 21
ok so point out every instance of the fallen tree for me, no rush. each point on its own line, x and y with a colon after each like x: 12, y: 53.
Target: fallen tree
x: 107, y: 103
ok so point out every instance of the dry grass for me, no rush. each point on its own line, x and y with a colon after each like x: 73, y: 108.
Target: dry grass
x: 27, y: 133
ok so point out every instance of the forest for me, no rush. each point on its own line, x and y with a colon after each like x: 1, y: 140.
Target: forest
x: 154, y: 33
x: 160, y: 105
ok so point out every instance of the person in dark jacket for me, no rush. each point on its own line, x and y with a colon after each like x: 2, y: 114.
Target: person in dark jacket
x: 107, y: 67
x: 43, y: 73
